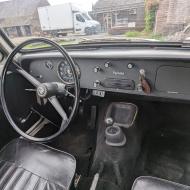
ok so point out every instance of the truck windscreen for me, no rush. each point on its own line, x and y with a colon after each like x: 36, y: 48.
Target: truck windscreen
x: 86, y: 16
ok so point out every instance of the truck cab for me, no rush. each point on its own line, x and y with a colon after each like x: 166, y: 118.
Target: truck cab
x: 83, y: 23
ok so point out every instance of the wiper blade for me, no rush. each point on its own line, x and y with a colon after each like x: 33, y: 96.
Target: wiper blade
x: 115, y: 40
x: 102, y: 40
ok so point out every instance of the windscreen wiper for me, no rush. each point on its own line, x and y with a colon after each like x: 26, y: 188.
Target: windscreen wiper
x: 115, y: 40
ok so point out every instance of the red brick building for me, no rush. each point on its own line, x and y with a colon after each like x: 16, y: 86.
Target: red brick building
x: 172, y: 16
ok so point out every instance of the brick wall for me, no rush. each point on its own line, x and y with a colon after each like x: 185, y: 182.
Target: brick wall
x: 161, y: 16
x: 172, y: 16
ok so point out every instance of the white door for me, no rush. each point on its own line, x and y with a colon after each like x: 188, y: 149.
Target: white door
x: 79, y: 23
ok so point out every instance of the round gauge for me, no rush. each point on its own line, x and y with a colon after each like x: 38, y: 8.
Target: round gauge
x: 65, y: 72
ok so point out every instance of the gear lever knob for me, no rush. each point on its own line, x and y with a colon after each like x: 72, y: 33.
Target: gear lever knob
x: 115, y: 136
x: 109, y: 121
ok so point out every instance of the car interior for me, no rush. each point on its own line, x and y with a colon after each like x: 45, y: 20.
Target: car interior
x: 104, y: 116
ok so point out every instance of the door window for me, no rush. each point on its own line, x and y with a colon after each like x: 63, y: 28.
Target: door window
x: 79, y: 18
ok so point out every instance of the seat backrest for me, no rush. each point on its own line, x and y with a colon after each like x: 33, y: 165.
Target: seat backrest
x: 153, y: 183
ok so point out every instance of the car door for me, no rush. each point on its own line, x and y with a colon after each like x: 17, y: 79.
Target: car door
x: 79, y: 23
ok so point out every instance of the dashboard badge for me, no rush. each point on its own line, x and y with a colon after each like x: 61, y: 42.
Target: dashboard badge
x: 49, y: 65
x: 118, y: 73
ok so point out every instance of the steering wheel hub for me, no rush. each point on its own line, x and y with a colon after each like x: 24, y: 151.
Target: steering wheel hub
x: 42, y: 91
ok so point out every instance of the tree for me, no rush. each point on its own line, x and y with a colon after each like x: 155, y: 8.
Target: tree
x: 151, y: 7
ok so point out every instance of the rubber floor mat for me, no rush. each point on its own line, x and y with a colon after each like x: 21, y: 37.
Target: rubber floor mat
x: 166, y: 154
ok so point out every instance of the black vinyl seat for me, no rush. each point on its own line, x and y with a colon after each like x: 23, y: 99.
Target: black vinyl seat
x: 26, y: 165
x: 153, y: 183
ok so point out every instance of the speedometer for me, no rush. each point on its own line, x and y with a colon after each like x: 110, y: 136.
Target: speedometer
x: 65, y: 72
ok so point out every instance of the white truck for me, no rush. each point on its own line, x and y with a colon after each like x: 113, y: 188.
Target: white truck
x: 66, y: 18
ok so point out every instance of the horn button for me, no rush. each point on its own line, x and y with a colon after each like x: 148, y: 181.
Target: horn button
x: 46, y: 90
x: 42, y: 91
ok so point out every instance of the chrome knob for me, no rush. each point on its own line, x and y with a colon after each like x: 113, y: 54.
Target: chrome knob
x: 142, y: 72
x: 109, y: 121
x: 97, y: 69
x: 107, y: 64
x: 130, y: 66
x: 96, y: 83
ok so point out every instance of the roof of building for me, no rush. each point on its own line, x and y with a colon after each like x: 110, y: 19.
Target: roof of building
x: 104, y: 5
x: 19, y: 12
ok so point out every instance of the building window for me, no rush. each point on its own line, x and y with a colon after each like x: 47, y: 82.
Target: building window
x: 133, y: 11
x: 27, y: 30
x: 11, y: 31
x: 18, y: 31
x: 121, y: 18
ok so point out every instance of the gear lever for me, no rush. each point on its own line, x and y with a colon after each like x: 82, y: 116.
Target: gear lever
x: 114, y: 134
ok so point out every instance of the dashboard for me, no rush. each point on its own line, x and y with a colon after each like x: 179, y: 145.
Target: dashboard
x: 166, y: 73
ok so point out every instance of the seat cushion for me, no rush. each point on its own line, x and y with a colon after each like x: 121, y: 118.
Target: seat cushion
x: 153, y: 183
x: 26, y: 165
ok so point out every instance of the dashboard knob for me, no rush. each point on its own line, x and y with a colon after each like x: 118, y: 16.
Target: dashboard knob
x: 97, y: 69
x: 142, y: 72
x: 107, y: 64
x: 109, y: 121
x: 96, y: 83
x: 130, y: 66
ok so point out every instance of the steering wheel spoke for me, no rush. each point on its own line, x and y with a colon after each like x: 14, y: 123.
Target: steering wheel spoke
x: 28, y: 76
x: 55, y: 103
x: 53, y: 100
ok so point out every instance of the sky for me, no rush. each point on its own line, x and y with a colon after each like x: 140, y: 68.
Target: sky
x: 85, y: 4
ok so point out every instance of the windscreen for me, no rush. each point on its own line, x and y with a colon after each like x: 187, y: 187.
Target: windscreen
x: 103, y: 20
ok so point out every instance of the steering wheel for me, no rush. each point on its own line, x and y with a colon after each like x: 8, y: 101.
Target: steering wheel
x: 43, y: 90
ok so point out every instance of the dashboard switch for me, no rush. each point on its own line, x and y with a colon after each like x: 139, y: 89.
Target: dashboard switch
x: 97, y: 69
x: 107, y: 64
x: 142, y: 72
x: 130, y: 66
x: 96, y: 83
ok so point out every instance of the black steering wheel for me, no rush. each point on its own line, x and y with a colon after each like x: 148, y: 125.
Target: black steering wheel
x: 43, y: 90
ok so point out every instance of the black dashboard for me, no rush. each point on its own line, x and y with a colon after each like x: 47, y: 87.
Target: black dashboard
x: 167, y: 72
